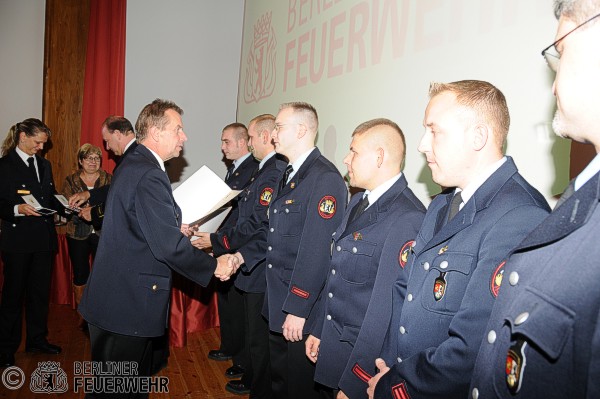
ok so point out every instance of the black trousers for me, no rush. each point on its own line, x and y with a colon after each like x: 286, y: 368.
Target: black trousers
x: 292, y: 374
x: 147, y: 352
x: 79, y: 253
x: 26, y: 277
x: 258, y: 372
x: 230, y: 305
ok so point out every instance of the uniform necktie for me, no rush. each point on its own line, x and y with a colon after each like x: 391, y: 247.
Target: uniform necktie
x: 230, y: 170
x: 286, y: 175
x: 359, y: 209
x: 566, y: 194
x: 32, y: 168
x: 454, y: 205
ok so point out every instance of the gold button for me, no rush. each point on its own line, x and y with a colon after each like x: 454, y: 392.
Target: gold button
x: 154, y: 287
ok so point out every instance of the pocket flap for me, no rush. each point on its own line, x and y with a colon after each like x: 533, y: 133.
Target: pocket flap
x: 154, y: 282
x: 543, y: 321
x: 349, y: 334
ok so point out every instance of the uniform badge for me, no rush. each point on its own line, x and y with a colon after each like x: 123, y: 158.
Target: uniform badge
x: 404, y: 252
x: 287, y: 202
x: 443, y: 249
x: 23, y: 192
x: 515, y: 366
x: 357, y: 236
x: 327, y: 207
x: 439, y: 286
x: 293, y: 185
x: 265, y: 196
x: 497, y: 279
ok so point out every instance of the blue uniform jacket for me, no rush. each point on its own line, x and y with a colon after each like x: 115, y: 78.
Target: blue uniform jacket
x: 543, y: 336
x: 302, y: 218
x: 249, y: 235
x: 26, y: 233
x: 451, y: 288
x: 129, y: 287
x: 368, y: 256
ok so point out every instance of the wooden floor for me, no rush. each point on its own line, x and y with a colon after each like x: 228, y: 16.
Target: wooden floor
x: 190, y: 373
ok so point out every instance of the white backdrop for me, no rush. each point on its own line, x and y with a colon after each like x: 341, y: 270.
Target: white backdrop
x: 356, y: 60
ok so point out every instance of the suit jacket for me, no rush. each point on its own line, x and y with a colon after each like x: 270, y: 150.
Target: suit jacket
x: 434, y: 334
x: 302, y: 218
x: 249, y: 235
x: 129, y: 287
x: 239, y: 180
x: 98, y: 196
x: 543, y: 336
x: 367, y: 258
x: 26, y: 233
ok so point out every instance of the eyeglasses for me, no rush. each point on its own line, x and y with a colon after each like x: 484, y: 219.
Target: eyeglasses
x: 278, y: 126
x: 552, y: 55
x: 92, y: 159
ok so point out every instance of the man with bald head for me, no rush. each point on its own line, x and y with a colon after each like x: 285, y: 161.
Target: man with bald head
x: 370, y: 250
x: 307, y: 207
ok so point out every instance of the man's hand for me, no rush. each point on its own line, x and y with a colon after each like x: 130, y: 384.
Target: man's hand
x: 185, y: 230
x: 78, y: 199
x: 312, y: 348
x: 341, y: 395
x: 203, y: 240
x: 240, y: 260
x: 27, y: 210
x: 86, y: 213
x: 383, y: 368
x: 226, y: 266
x: 292, y: 328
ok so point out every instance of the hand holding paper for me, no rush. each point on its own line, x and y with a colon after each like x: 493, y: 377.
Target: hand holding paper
x: 27, y: 210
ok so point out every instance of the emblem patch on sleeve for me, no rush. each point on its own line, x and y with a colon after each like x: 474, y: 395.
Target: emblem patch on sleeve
x: 265, y: 196
x: 327, y: 207
x: 404, y: 252
x: 361, y: 373
x: 497, y: 279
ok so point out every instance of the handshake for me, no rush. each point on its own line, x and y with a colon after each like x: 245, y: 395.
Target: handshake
x: 227, y: 265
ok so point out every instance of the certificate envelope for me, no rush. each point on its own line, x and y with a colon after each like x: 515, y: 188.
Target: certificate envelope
x: 203, y: 198
x: 30, y: 199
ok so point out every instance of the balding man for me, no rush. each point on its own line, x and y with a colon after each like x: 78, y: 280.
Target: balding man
x: 370, y: 250
x: 307, y: 208
x: 440, y: 313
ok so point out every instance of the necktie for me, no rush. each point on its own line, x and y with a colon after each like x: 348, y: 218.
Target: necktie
x: 359, y: 209
x: 32, y: 168
x: 566, y: 194
x: 286, y: 175
x: 454, y: 205
x: 229, y: 171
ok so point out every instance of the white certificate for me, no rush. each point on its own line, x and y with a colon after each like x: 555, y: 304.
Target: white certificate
x: 203, y: 199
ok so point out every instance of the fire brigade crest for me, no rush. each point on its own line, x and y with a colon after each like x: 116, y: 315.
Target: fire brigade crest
x: 48, y: 377
x: 260, y: 63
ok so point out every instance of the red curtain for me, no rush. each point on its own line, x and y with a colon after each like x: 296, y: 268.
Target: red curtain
x: 104, y: 84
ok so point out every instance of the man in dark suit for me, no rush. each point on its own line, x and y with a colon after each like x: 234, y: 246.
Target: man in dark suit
x: 439, y: 314
x: 126, y: 301
x: 117, y: 133
x: 543, y: 336
x: 248, y: 236
x: 230, y: 304
x: 380, y: 225
x: 28, y: 240
x: 308, y: 206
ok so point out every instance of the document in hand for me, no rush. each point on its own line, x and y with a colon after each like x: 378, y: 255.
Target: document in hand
x: 204, y: 200
x: 30, y: 199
